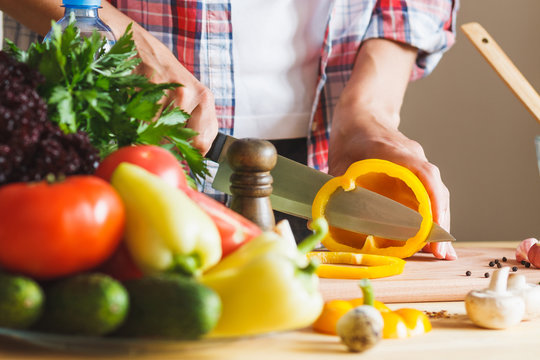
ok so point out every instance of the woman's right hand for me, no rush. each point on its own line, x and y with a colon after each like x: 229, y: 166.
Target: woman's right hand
x: 161, y: 66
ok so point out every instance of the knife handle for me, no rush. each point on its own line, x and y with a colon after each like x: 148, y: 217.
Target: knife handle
x: 217, y: 147
x: 251, y: 183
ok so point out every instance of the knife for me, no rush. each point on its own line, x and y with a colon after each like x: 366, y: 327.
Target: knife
x: 363, y: 211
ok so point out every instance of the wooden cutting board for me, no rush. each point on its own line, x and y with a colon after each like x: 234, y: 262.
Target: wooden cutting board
x: 428, y: 279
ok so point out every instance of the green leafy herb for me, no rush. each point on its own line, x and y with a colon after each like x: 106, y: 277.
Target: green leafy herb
x: 89, y: 89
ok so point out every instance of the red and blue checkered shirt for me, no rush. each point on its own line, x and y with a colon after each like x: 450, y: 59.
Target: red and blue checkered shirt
x: 199, y: 33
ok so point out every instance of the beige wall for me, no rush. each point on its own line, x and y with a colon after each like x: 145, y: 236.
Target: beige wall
x: 475, y: 129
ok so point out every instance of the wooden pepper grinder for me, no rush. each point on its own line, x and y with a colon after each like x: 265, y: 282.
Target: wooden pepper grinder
x: 251, y: 183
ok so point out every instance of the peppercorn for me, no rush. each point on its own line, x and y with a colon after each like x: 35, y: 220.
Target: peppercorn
x: 468, y: 273
x: 491, y: 263
x: 499, y: 265
x: 523, y: 262
x: 527, y: 264
x: 514, y: 268
x: 504, y: 259
x: 496, y: 261
x: 486, y: 275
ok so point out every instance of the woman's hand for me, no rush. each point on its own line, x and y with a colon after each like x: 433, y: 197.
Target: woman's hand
x: 366, y: 119
x: 160, y: 65
x: 378, y: 141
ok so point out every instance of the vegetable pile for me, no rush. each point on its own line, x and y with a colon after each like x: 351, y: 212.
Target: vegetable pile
x: 110, y: 236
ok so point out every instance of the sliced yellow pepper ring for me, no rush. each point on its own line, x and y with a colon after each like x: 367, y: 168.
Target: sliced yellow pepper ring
x: 373, y: 266
x: 373, y: 170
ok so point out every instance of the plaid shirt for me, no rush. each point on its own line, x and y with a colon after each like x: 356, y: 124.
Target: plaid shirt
x: 199, y: 33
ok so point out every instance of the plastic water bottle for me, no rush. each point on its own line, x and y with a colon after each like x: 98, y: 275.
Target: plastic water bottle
x: 87, y: 20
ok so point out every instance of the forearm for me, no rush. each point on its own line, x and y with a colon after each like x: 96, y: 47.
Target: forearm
x: 366, y: 119
x: 38, y: 14
x: 34, y: 14
x: 377, y: 85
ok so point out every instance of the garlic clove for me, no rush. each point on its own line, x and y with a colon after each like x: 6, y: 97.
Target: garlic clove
x: 360, y: 328
x: 523, y: 249
x: 534, y: 255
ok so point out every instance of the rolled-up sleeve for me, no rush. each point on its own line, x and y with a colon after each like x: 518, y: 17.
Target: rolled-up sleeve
x: 428, y: 25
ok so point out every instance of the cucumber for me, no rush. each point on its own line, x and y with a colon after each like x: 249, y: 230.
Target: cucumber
x: 21, y: 301
x: 90, y: 304
x: 170, y: 306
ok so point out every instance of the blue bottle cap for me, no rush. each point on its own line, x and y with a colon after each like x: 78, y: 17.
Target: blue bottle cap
x: 81, y: 2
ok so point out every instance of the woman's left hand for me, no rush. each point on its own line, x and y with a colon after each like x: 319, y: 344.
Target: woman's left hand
x: 351, y: 141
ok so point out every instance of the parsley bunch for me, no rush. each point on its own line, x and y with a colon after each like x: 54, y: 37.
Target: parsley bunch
x: 89, y: 89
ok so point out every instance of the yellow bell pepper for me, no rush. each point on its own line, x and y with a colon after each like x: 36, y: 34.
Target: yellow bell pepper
x: 403, y: 323
x: 398, y: 324
x: 267, y: 285
x: 388, y: 179
x: 165, y: 230
x: 369, y: 266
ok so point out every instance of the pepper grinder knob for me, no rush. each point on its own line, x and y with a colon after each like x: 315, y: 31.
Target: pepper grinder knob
x: 251, y: 183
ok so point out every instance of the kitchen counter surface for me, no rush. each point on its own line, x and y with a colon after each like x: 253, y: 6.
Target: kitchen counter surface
x: 453, y: 337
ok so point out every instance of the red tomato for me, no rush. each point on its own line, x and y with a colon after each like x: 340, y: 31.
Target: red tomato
x: 53, y: 230
x: 155, y: 159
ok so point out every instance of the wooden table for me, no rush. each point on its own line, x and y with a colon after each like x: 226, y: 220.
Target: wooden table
x: 451, y: 338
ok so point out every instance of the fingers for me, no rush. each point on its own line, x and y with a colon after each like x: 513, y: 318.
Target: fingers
x: 161, y: 66
x: 198, y: 101
x: 439, y: 194
x: 203, y: 120
x: 441, y: 250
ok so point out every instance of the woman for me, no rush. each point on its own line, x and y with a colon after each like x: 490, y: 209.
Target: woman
x: 323, y: 79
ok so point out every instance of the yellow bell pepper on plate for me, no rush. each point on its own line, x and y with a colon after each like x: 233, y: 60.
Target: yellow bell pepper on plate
x: 267, y: 285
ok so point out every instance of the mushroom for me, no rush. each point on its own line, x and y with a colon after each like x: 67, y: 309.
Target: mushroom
x: 530, y: 293
x: 495, y: 307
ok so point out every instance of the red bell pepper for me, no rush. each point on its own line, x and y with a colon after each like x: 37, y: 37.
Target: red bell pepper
x: 233, y: 228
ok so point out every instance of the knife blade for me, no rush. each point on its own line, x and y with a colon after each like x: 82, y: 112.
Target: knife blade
x: 363, y: 211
